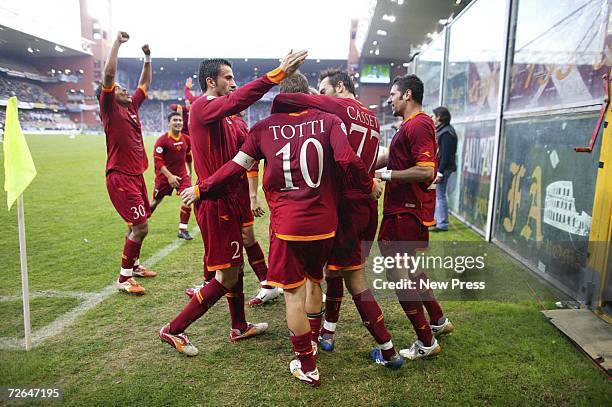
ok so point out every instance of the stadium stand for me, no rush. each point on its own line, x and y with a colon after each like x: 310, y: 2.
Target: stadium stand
x: 25, y: 90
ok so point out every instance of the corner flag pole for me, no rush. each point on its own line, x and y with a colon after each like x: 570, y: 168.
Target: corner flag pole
x: 19, y: 172
x: 25, y: 289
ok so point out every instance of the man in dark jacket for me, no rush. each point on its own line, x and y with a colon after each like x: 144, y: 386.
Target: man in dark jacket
x: 447, y: 149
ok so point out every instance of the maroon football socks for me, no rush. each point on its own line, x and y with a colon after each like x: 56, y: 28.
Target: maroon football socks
x: 131, y: 253
x: 197, y: 306
x: 333, y: 301
x: 258, y: 262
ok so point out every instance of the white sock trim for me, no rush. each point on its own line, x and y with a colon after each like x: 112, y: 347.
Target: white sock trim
x: 264, y: 282
x: 183, y: 226
x: 330, y: 326
x: 386, y: 345
x: 126, y: 272
x: 137, y: 263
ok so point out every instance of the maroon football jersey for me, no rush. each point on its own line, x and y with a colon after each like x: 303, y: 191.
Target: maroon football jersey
x: 301, y: 151
x: 414, y: 144
x: 173, y: 153
x: 213, y: 139
x: 124, y: 147
x: 361, y: 123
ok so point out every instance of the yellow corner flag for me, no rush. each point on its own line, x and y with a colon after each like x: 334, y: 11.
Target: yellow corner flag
x: 19, y: 168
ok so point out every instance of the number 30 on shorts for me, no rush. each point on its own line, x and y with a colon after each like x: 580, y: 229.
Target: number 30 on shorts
x: 139, y: 211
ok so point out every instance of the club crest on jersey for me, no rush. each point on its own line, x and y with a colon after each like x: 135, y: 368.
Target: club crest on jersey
x: 159, y: 149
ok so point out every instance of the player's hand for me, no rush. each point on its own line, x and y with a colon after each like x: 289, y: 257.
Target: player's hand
x: 189, y: 82
x: 292, y: 61
x: 258, y: 210
x: 122, y: 37
x: 377, y: 190
x: 174, y: 181
x: 146, y: 50
x: 187, y: 103
x: 188, y: 196
x: 378, y: 174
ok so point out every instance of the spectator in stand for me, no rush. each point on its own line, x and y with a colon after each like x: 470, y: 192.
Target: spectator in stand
x: 447, y: 150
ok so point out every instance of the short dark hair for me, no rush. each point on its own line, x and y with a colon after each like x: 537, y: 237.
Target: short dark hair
x: 411, y: 82
x: 296, y: 83
x: 443, y: 114
x: 172, y: 114
x: 209, y: 68
x: 338, y: 75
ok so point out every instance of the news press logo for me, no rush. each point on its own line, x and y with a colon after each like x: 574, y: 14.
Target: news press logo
x: 454, y: 270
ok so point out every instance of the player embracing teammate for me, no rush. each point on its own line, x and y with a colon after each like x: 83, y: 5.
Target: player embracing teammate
x: 357, y: 214
x: 220, y: 218
x: 305, y: 152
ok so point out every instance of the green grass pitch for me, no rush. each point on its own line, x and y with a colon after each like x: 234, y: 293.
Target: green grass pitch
x: 502, y: 352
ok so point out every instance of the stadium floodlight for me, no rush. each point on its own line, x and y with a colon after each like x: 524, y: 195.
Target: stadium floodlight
x: 381, y: 32
x: 373, y: 106
x: 389, y: 18
x: 374, y: 42
x: 457, y: 1
x: 59, y: 49
x: 377, y: 52
x: 400, y: 2
x: 356, y: 74
x: 161, y: 68
x: 371, y: 51
x: 30, y: 50
x: 406, y: 64
x: 246, y: 59
x: 175, y: 59
x: 318, y: 60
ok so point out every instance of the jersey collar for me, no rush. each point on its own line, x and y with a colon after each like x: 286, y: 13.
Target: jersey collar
x: 174, y: 138
x: 412, y: 116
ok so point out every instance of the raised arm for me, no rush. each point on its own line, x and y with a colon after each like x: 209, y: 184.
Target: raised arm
x: 147, y: 71
x: 110, y: 69
x: 248, y: 94
x: 294, y: 102
x: 187, y: 91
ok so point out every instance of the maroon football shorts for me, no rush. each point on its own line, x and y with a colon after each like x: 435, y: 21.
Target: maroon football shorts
x: 246, y: 214
x: 128, y: 193
x: 292, y: 262
x: 163, y: 188
x: 402, y: 233
x: 220, y: 224
x: 357, y: 223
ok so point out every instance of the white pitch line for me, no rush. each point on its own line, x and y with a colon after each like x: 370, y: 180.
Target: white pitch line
x: 47, y: 294
x: 90, y: 301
